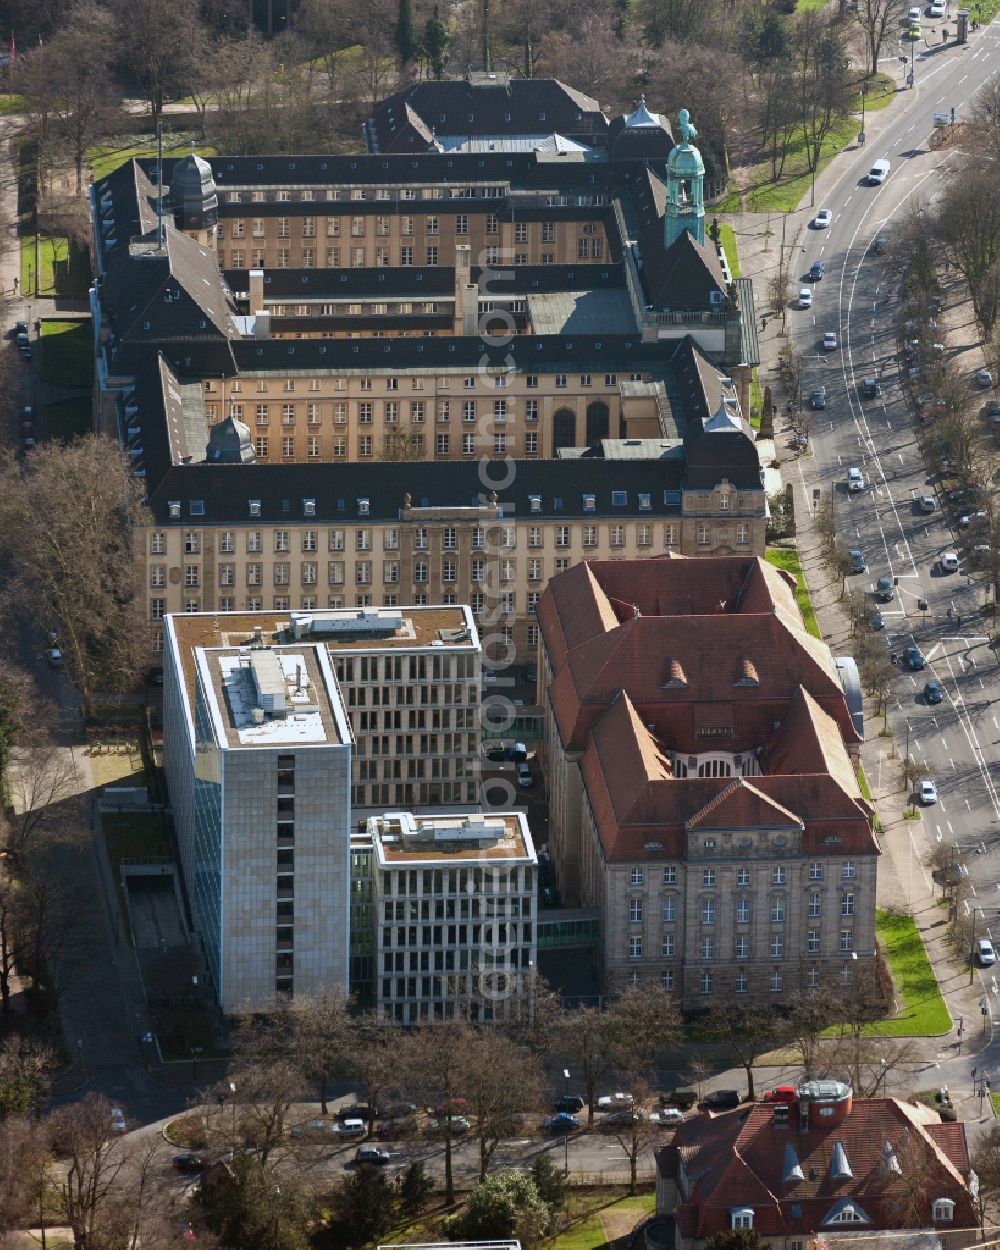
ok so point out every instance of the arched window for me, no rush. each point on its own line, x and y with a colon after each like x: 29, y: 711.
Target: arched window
x: 598, y: 422
x: 564, y: 429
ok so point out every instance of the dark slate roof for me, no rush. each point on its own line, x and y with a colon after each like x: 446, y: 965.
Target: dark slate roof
x: 408, y: 120
x: 421, y: 282
x: 151, y: 284
x: 336, y: 488
x: 530, y: 353
x: 682, y: 275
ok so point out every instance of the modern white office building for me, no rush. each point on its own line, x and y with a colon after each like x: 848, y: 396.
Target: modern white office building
x: 453, y: 906
x: 258, y: 749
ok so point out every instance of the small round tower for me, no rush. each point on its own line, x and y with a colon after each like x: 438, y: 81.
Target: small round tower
x: 685, y: 186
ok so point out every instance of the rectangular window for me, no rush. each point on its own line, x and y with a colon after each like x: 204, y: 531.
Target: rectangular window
x: 742, y: 983
x: 670, y: 875
x: 815, y: 872
x: 846, y: 940
x: 847, y: 904
x: 777, y: 946
x: 778, y: 876
x: 815, y: 906
x: 812, y: 942
x: 778, y: 909
x: 635, y: 910
x: 708, y: 911
x: 707, y: 982
x: 847, y: 871
x: 708, y: 876
x: 708, y: 948
x: 636, y: 876
x: 742, y: 948
x: 742, y: 911
x: 743, y: 876
x: 635, y: 948
x: 669, y: 910
x: 667, y: 946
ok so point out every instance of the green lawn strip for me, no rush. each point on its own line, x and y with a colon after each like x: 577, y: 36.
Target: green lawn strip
x: 756, y: 399
x: 588, y: 1233
x: 64, y: 268
x: 995, y: 1103
x: 804, y: 6
x: 923, y: 1012
x: 107, y: 157
x: 68, y: 419
x: 11, y: 104
x: 787, y: 558
x: 67, y: 353
x: 728, y: 235
x: 863, y: 783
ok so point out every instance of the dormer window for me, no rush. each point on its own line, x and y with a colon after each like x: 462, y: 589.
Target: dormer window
x: 741, y: 1217
x: 943, y: 1210
x: 197, y: 507
x: 364, y: 507
x: 309, y: 507
x: 535, y: 503
x: 174, y: 509
x: 254, y: 507
x: 724, y: 498
x: 589, y: 503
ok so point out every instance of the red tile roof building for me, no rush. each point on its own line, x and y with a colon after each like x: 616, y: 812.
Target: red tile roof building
x: 827, y: 1164
x: 702, y: 790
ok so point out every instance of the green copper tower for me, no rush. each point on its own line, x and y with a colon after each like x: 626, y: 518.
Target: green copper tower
x: 685, y: 186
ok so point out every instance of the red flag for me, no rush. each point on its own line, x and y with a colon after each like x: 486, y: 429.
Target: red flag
x: 13, y: 46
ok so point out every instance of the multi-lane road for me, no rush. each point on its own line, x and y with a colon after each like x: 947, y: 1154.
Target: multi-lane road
x: 858, y: 299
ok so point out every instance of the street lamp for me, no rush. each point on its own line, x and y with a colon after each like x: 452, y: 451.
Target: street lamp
x: 566, y: 1135
x: 864, y: 92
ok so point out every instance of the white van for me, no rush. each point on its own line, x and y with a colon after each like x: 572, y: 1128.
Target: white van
x: 878, y: 173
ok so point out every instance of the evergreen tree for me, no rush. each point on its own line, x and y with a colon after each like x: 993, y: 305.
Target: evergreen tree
x: 436, y: 40
x: 406, y: 43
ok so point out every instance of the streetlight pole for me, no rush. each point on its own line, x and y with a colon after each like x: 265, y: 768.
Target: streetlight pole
x: 864, y: 91
x: 566, y: 1135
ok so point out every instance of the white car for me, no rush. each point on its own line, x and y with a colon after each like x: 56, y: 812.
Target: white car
x: 936, y: 10
x: 669, y: 1117
x: 985, y: 953
x: 914, y: 14
x: 615, y: 1102
x: 928, y: 792
x: 822, y: 219
x: 829, y: 341
x: 949, y: 562
x: 805, y: 298
x: 855, y: 481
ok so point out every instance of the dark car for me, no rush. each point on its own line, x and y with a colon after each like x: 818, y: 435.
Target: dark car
x: 721, y: 1100
x: 561, y: 1122
x: 20, y: 327
x: 816, y: 270
x: 913, y: 658
x: 377, y: 1156
x: 188, y: 1163
x: 154, y: 675
x: 870, y: 388
x: 933, y: 692
x: 569, y: 1103
x: 683, y: 1098
x: 817, y: 398
x: 358, y: 1112
x: 878, y: 620
x: 881, y: 244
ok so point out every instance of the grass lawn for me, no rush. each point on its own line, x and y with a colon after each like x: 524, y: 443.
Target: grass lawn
x: 787, y: 558
x: 134, y: 835
x: 732, y: 252
x: 68, y: 419
x: 923, y: 1012
x: 866, y: 789
x: 11, y: 104
x: 588, y: 1232
x: 109, y: 156
x: 67, y: 353
x: 64, y: 268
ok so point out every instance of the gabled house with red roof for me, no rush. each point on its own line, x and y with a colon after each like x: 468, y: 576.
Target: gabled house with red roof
x: 809, y: 1174
x: 702, y: 786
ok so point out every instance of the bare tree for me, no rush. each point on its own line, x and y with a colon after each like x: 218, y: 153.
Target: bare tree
x: 164, y: 36
x: 984, y: 115
x: 636, y: 1133
x: 76, y: 91
x: 878, y: 19
x: 93, y: 1168
x: 809, y: 1014
x: 433, y: 1061
x: 371, y: 1053
x: 747, y: 1029
x: 266, y: 1086
x: 320, y: 1033
x: 503, y: 1081
x: 968, y: 226
x: 24, y: 1158
x: 77, y: 570
x: 42, y: 780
